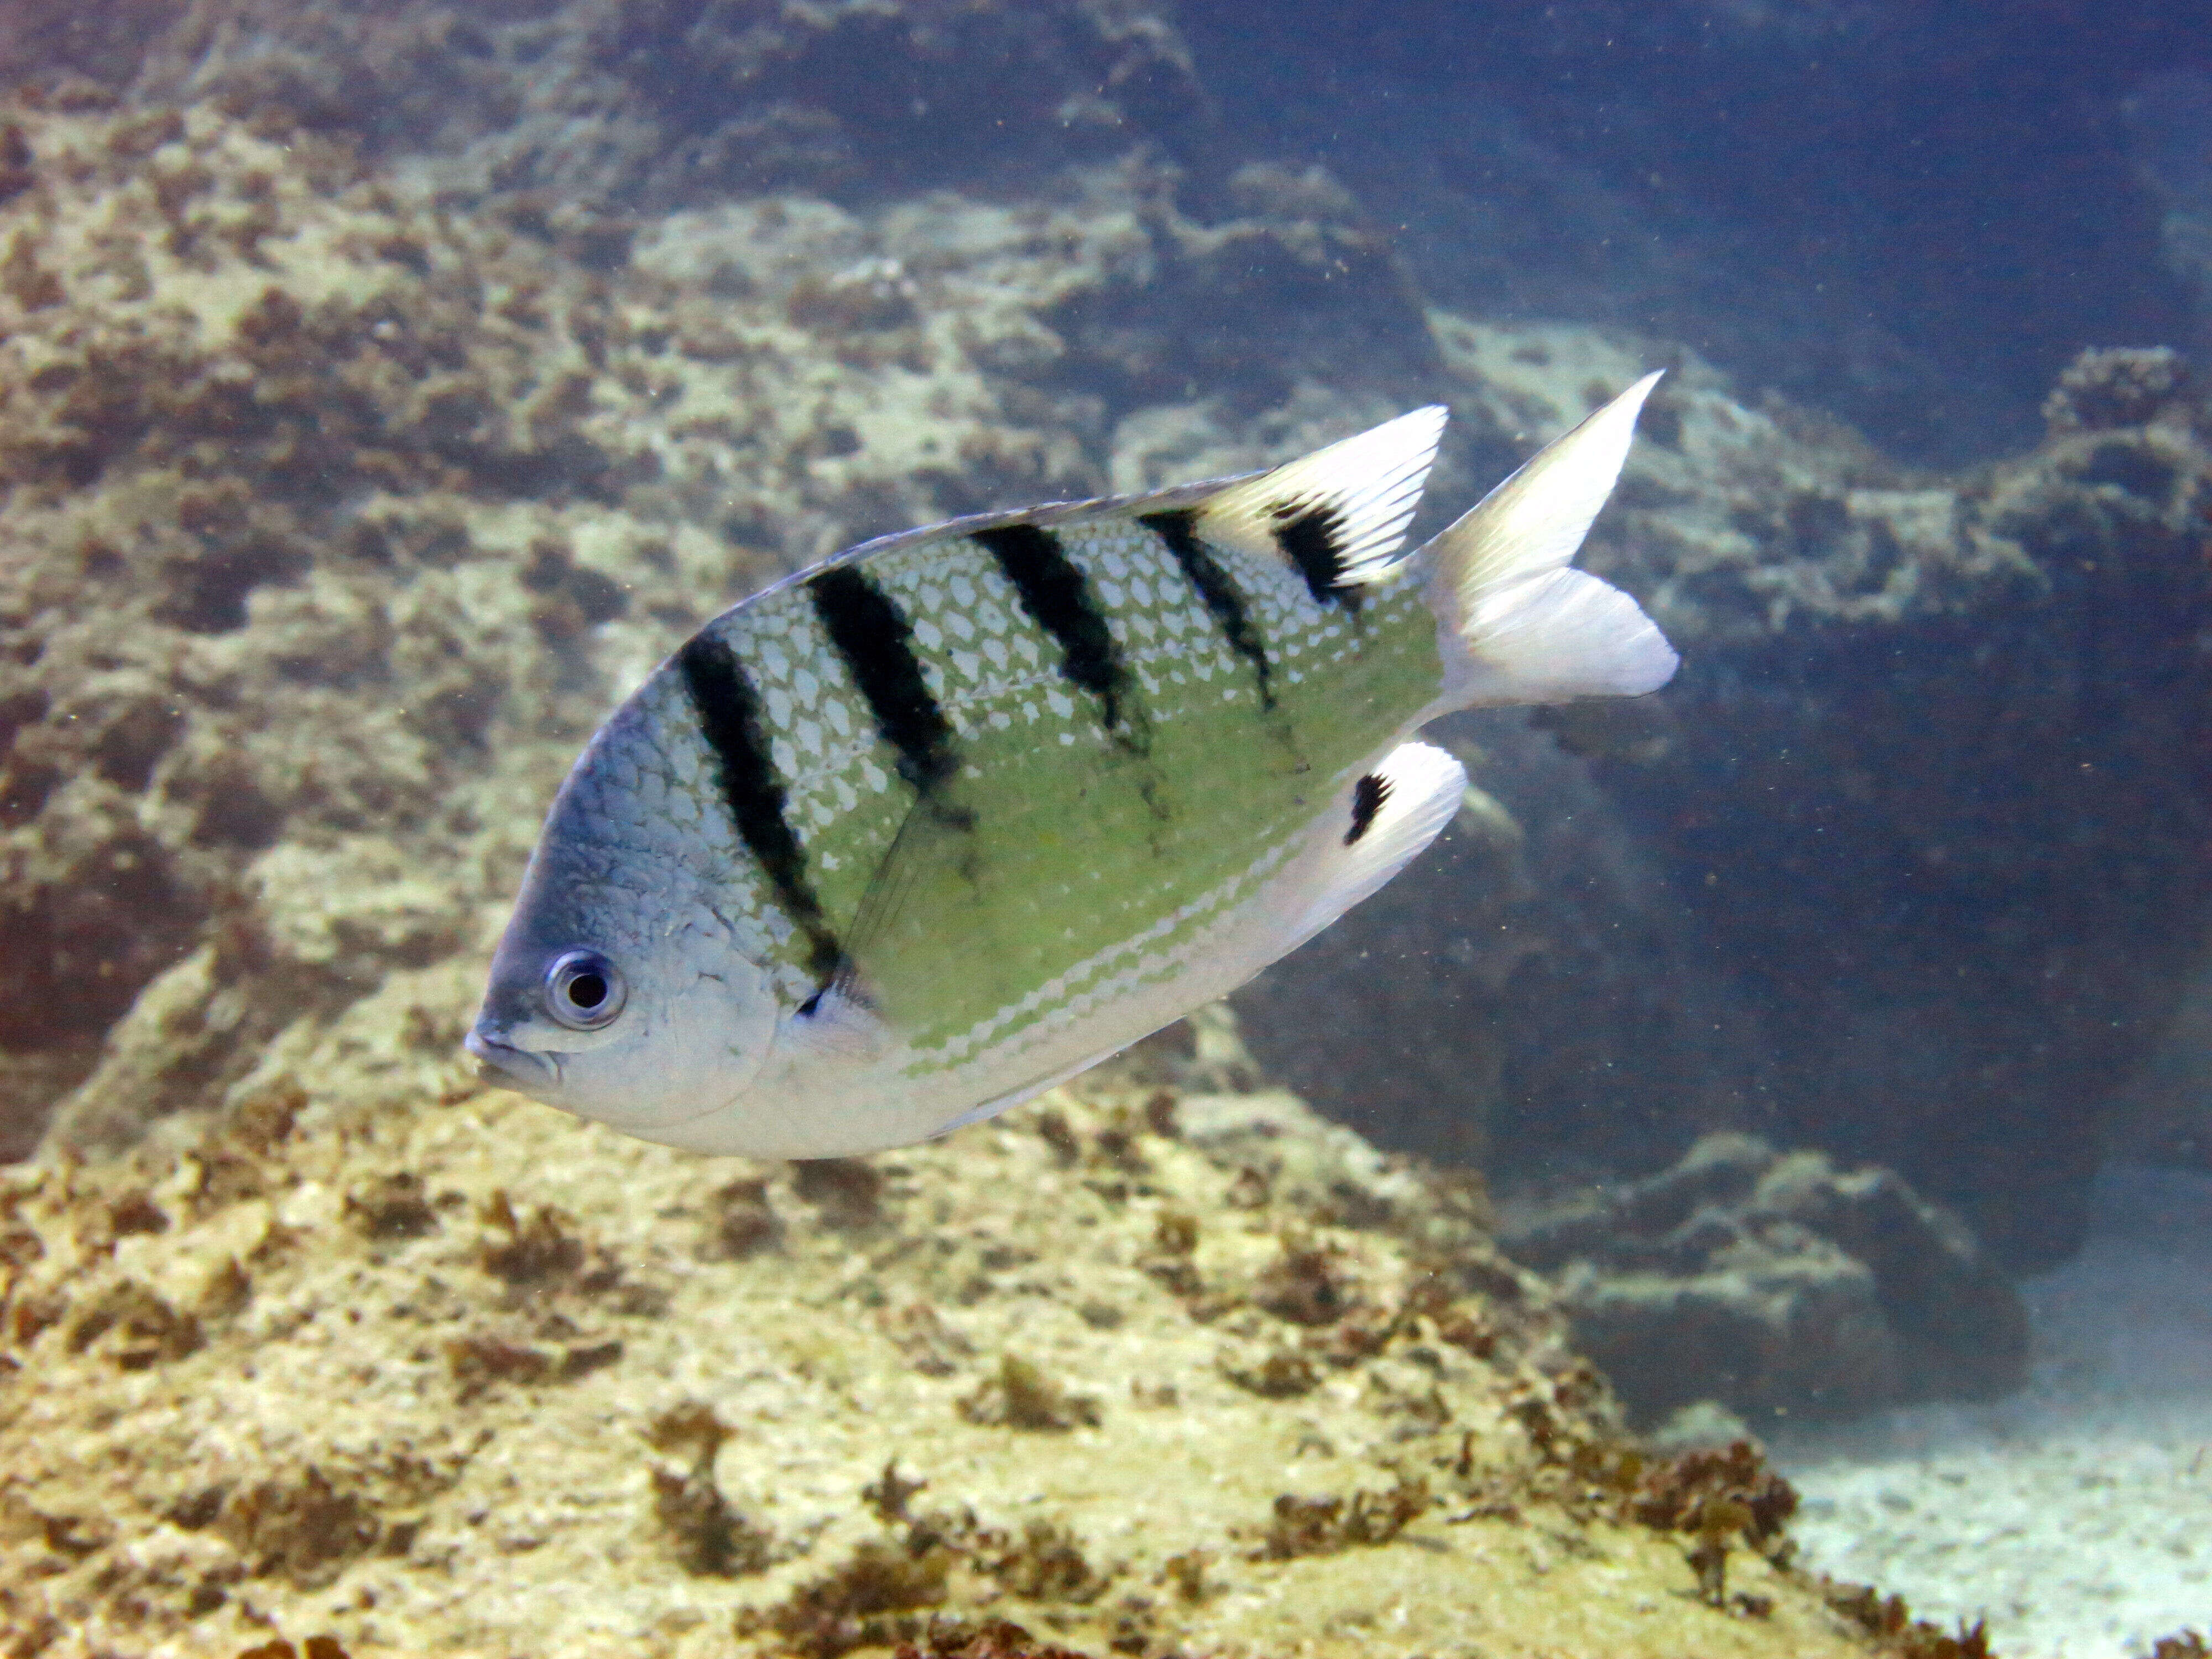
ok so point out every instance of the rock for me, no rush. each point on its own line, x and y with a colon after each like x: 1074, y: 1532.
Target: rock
x: 1776, y: 1284
x: 2112, y: 390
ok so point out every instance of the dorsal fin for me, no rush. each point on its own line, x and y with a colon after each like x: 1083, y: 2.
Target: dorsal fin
x: 1339, y: 515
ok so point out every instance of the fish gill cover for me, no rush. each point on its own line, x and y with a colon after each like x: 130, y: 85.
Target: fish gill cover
x: 385, y: 390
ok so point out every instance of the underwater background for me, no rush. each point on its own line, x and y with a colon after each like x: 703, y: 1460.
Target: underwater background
x: 1811, y: 1058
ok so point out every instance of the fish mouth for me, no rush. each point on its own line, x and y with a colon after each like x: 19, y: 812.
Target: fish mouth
x: 509, y: 1068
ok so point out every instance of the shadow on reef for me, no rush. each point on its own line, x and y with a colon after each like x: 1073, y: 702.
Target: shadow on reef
x: 1961, y: 875
x: 2164, y: 1115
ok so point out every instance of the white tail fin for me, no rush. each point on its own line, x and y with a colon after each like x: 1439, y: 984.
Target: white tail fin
x: 1516, y: 624
x: 1339, y: 515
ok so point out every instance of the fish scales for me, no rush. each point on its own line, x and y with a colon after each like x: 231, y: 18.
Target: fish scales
x: 911, y: 835
x: 1128, y: 837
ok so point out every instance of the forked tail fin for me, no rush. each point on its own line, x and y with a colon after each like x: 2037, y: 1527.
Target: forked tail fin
x: 1515, y: 624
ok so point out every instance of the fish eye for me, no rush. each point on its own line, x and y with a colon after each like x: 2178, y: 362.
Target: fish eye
x: 584, y: 990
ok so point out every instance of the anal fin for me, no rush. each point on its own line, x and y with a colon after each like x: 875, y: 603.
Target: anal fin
x: 1378, y: 828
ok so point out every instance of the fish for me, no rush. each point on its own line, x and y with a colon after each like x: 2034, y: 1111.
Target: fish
x: 918, y: 832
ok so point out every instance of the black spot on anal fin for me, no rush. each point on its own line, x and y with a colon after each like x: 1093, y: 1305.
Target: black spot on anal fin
x: 1057, y: 597
x: 1367, y: 798
x: 875, y: 640
x: 729, y: 712
x: 1178, y: 533
x: 1311, y: 536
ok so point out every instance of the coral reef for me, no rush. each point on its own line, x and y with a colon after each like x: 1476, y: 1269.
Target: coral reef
x: 653, y: 104
x: 383, y: 390
x: 1775, y: 1285
x: 343, y: 1370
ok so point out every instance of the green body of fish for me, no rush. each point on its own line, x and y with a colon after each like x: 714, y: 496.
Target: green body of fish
x: 1090, y: 818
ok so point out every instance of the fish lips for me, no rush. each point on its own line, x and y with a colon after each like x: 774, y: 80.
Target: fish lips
x: 508, y: 1067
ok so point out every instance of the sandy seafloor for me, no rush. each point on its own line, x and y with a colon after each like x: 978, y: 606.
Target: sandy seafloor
x: 2076, y: 1515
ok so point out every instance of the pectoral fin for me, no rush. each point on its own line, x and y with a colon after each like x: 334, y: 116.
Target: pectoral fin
x: 928, y: 914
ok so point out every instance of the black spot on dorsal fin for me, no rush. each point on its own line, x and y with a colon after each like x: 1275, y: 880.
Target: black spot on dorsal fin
x: 1311, y: 536
x: 730, y: 720
x: 1367, y: 798
x: 875, y: 640
x: 1057, y: 597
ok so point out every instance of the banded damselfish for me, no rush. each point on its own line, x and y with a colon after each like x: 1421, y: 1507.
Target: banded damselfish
x: 917, y: 833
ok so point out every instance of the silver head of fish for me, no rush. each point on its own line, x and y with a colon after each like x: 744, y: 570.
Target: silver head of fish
x: 618, y: 993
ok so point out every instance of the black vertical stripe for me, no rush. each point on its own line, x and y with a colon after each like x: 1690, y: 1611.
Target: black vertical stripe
x: 876, y: 640
x: 1178, y: 531
x: 729, y: 711
x: 1057, y: 596
x: 1311, y: 537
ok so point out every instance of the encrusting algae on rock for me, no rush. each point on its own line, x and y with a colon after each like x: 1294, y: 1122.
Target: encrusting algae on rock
x: 470, y: 1377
